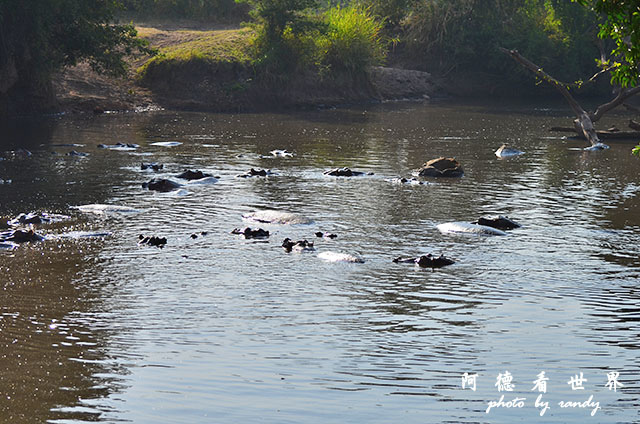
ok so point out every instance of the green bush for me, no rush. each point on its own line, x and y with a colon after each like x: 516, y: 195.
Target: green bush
x: 352, y: 40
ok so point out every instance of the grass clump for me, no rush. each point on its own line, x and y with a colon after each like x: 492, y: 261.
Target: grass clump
x: 353, y: 39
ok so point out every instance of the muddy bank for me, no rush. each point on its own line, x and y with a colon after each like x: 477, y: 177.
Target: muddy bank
x: 231, y: 87
x: 227, y: 83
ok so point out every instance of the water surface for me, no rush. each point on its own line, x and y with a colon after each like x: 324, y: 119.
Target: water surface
x: 221, y: 329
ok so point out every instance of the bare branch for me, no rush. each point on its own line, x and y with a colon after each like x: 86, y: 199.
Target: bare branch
x: 617, y: 101
x: 583, y: 123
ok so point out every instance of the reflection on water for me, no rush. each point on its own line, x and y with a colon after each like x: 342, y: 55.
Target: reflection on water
x: 217, y: 328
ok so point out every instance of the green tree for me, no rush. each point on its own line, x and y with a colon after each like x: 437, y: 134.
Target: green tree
x: 622, y: 25
x: 453, y: 36
x: 282, y: 42
x: 39, y: 37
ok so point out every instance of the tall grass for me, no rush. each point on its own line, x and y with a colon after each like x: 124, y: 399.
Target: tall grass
x: 353, y: 39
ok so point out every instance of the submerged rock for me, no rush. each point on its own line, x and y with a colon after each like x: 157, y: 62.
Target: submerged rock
x: 7, y: 245
x: 281, y: 153
x: 119, y: 146
x: 497, y: 221
x: 36, y: 218
x: 467, y: 228
x: 77, y: 154
x: 102, y: 209
x: 345, y: 172
x: 193, y: 175
x: 441, y: 167
x: 161, y: 184
x: 340, y: 257
x: 505, y: 151
x: 596, y: 147
x: 152, y: 165
x: 20, y: 236
x: 249, y: 233
x: 276, y: 217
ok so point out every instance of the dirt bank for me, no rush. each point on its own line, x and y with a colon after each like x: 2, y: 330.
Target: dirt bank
x: 224, y: 85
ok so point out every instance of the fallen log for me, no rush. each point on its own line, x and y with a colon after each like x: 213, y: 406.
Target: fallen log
x: 603, y: 134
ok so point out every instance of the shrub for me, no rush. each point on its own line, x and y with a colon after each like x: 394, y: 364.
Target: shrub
x: 353, y: 39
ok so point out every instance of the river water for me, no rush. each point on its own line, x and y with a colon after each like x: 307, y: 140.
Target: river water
x: 222, y: 329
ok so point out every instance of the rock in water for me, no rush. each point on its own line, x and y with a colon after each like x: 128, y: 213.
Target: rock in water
x: 340, y: 257
x: 506, y: 152
x: 467, y: 228
x: 441, y: 167
x: 276, y: 217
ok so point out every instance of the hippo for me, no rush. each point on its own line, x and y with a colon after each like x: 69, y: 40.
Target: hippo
x: 441, y: 167
x: 340, y: 257
x: 468, y: 228
x: 256, y: 173
x: 345, y: 172
x: 297, y: 246
x: 193, y: 175
x: 505, y: 151
x: 326, y: 235
x: 20, y: 236
x: 152, y: 241
x: 202, y: 233
x: 427, y: 261
x: 497, y: 221
x: 276, y: 217
x: 161, y: 184
x: 152, y: 165
x: 249, y: 233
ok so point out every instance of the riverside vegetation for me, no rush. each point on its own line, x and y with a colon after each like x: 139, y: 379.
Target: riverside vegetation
x: 301, y: 52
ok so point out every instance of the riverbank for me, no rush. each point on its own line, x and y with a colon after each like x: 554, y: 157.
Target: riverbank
x: 207, y: 69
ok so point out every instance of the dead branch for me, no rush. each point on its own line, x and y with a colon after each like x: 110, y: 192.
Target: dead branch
x: 583, y: 123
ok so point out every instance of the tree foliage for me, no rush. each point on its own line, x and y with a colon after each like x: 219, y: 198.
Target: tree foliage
x: 39, y: 37
x: 621, y: 24
x: 455, y: 35
x: 186, y: 9
x: 283, y: 42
